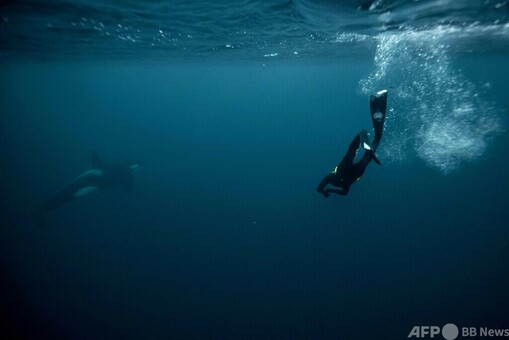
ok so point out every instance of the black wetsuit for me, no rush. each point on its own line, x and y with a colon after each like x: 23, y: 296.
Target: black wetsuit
x: 346, y: 173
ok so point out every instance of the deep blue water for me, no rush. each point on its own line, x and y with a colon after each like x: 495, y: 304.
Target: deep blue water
x: 238, y: 110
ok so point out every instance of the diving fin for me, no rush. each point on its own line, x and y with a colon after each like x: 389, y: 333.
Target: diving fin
x: 378, y: 108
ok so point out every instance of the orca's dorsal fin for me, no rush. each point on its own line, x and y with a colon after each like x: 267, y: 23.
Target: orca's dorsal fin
x: 97, y: 163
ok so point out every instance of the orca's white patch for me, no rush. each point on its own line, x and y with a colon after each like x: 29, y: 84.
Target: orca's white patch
x: 135, y: 167
x: 85, y: 191
x: 92, y: 172
x: 366, y: 146
x: 378, y: 115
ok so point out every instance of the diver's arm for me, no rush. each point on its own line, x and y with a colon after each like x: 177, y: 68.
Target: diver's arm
x: 323, y: 183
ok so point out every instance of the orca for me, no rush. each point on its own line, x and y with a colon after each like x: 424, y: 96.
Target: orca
x: 100, y: 177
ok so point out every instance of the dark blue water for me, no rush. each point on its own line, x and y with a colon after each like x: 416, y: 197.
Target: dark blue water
x: 238, y: 110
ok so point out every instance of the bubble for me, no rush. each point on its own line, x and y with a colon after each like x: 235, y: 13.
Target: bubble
x: 435, y: 113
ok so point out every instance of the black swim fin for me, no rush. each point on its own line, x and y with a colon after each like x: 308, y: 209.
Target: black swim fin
x: 378, y: 108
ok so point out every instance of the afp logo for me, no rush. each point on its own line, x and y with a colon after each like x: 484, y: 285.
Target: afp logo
x: 449, y: 332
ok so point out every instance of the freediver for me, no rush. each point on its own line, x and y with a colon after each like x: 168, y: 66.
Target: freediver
x: 347, y: 172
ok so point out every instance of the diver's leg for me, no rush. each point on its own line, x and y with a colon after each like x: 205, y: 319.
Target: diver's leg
x: 351, y: 152
x: 363, y: 163
x: 367, y: 146
x: 323, y: 183
x: 359, y: 167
